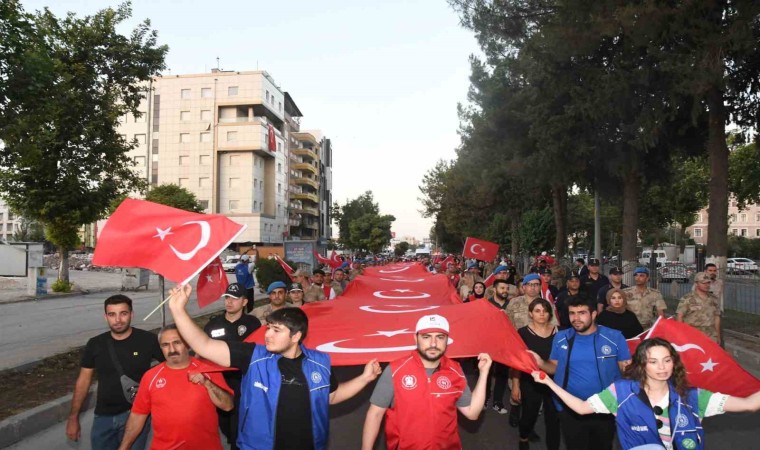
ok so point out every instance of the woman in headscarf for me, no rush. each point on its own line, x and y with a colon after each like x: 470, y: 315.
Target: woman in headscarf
x: 617, y: 316
x: 478, y: 292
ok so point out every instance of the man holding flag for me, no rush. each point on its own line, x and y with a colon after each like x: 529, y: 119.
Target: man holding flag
x: 284, y: 383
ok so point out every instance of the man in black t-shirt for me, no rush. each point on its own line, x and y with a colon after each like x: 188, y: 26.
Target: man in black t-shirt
x: 232, y: 326
x: 280, y: 406
x: 134, y: 350
x: 594, y: 280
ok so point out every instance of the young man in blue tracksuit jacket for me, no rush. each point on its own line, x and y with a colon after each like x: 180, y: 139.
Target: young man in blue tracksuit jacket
x: 286, y: 387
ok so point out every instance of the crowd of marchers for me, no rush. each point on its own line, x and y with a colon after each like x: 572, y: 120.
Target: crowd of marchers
x: 590, y: 390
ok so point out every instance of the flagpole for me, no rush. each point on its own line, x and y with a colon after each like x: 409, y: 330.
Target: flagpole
x: 653, y: 326
x: 157, y: 307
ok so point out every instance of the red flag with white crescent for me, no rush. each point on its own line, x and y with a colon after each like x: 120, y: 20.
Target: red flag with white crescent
x: 489, y: 280
x: 212, y: 283
x: 288, y: 270
x: 377, y: 314
x: 707, y: 365
x: 175, y: 243
x: 480, y: 249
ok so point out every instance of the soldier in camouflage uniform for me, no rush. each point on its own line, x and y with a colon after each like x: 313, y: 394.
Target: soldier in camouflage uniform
x: 645, y: 302
x: 700, y: 308
x: 502, y: 273
x: 517, y: 309
x: 332, y: 282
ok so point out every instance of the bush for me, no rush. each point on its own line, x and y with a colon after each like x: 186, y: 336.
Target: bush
x: 269, y: 270
x: 61, y: 286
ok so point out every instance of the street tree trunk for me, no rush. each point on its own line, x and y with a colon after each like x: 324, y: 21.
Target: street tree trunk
x: 63, y: 267
x: 631, y: 192
x: 717, y: 225
x: 559, y: 206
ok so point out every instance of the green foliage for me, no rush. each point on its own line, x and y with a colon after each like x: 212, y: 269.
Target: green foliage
x: 401, y: 248
x: 744, y: 174
x: 269, y: 270
x: 361, y: 226
x: 537, y: 230
x: 174, y: 196
x: 29, y: 231
x: 61, y: 286
x: 739, y: 246
x: 65, y: 84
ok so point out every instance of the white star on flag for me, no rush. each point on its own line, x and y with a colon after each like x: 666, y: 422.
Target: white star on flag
x: 163, y: 233
x: 708, y: 365
x: 391, y: 333
x: 209, y: 278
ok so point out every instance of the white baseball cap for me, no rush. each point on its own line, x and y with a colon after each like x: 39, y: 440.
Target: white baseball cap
x: 432, y: 324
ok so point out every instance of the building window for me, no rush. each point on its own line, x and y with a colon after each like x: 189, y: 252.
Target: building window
x: 261, y: 185
x: 205, y: 137
x: 279, y: 188
x: 232, y: 136
x: 234, y: 160
x: 279, y: 167
x: 743, y: 232
x: 204, y: 160
x: 279, y: 106
x: 232, y: 90
x: 141, y: 117
x: 255, y: 182
x: 140, y: 138
x: 234, y: 182
x: 733, y: 232
x: 233, y: 205
x: 185, y: 94
x: 204, y: 182
x: 731, y: 218
x: 699, y: 218
x: 184, y: 137
x: 757, y: 232
x: 757, y: 217
x: 184, y: 116
x: 267, y: 96
x: 255, y: 205
x: 697, y: 232
x: 184, y: 182
x: 743, y: 218
x: 206, y: 92
x: 279, y: 146
x: 184, y: 160
x: 206, y: 115
x: 204, y: 204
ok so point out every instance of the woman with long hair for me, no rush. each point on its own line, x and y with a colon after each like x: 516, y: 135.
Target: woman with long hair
x: 538, y: 336
x: 478, y: 292
x: 654, y: 404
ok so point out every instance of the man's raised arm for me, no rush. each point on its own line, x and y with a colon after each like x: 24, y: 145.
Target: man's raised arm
x: 211, y: 349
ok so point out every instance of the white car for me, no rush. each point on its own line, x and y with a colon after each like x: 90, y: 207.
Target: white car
x: 230, y: 263
x: 746, y: 264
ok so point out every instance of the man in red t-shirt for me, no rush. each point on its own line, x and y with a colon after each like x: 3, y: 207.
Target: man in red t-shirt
x: 181, y: 400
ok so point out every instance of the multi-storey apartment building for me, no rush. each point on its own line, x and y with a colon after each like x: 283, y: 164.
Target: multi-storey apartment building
x: 227, y: 137
x: 744, y: 222
x: 9, y: 222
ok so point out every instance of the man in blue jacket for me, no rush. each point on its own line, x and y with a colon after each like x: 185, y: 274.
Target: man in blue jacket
x: 244, y: 275
x: 586, y: 359
x: 286, y: 387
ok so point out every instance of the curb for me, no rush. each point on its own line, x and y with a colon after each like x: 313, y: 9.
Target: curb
x: 16, y: 428
x: 58, y: 295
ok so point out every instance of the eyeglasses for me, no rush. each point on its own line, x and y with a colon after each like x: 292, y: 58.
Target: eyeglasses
x: 533, y: 284
x: 658, y: 412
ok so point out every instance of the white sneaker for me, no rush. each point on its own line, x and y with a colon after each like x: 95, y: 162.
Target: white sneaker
x: 500, y: 409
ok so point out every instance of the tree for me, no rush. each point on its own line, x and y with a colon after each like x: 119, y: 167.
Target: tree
x: 29, y: 231
x: 174, y: 196
x: 371, y: 232
x: 401, y: 248
x: 744, y: 174
x: 69, y: 80
x: 352, y: 210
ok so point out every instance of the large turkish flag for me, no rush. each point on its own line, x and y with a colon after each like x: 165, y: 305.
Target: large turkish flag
x: 377, y: 314
x: 480, y: 249
x: 707, y: 365
x: 172, y: 242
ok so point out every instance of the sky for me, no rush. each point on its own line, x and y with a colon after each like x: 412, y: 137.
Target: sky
x: 381, y: 79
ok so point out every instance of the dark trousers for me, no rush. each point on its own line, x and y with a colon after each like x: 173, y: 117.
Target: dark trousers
x: 533, y: 396
x: 590, y: 432
x: 500, y: 373
x: 249, y: 296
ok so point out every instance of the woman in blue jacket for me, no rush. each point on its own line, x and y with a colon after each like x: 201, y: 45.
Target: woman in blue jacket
x: 653, y: 404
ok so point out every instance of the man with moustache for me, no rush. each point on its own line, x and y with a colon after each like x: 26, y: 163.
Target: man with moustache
x: 286, y: 387
x: 586, y: 359
x: 134, y: 349
x: 276, y: 293
x: 180, y: 398
x: 499, y: 372
x: 420, y: 394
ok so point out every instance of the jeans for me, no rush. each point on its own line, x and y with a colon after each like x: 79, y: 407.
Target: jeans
x: 108, y: 431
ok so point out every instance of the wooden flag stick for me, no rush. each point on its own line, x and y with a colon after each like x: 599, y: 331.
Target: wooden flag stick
x: 157, y: 307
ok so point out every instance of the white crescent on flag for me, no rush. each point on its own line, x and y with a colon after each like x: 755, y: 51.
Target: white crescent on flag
x: 373, y: 309
x: 477, y: 252
x: 379, y: 294
x: 205, y: 236
x: 685, y: 347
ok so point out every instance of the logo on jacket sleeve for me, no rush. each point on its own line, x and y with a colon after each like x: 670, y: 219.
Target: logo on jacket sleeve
x: 316, y: 377
x: 606, y: 349
x: 409, y: 382
x: 443, y: 382
x: 682, y: 421
x: 241, y: 330
x: 161, y: 382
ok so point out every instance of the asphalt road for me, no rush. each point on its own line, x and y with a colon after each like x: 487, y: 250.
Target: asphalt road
x: 36, y: 329
x: 490, y: 432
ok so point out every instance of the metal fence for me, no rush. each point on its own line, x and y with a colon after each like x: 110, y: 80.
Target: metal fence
x: 742, y: 294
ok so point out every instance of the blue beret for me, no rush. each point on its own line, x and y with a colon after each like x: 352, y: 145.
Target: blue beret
x: 276, y: 285
x: 641, y: 270
x: 500, y: 268
x: 530, y: 277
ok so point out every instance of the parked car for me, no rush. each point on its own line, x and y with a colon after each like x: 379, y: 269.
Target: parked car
x: 741, y: 264
x: 659, y: 255
x: 674, y: 271
x: 230, y: 263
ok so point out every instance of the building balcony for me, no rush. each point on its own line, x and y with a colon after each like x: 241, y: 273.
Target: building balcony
x: 307, y: 181
x: 305, y: 152
x: 312, y: 226
x: 306, y: 166
x: 305, y: 196
x: 310, y: 211
x: 306, y: 138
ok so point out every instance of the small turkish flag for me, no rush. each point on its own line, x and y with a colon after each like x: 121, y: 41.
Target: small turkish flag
x: 288, y: 270
x: 336, y: 259
x: 707, y: 365
x: 271, y: 141
x: 172, y: 242
x: 212, y: 282
x: 480, y: 249
x: 489, y: 280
